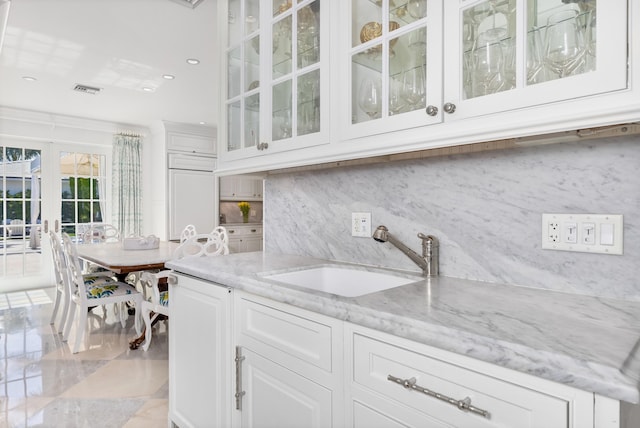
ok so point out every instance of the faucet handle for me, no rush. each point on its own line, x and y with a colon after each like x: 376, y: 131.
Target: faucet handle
x: 428, y: 239
x: 431, y: 253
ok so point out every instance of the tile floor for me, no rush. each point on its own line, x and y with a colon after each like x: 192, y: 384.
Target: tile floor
x: 42, y: 384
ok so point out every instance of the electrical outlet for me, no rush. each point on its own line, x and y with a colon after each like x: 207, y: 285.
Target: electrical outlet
x: 588, y: 233
x: 361, y: 225
x: 553, y: 230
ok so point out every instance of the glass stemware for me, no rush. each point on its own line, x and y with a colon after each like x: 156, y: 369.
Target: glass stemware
x: 285, y: 124
x: 535, y: 64
x: 413, y: 83
x: 417, y: 8
x: 396, y: 97
x: 564, y: 45
x: 488, y: 62
x: 369, y: 97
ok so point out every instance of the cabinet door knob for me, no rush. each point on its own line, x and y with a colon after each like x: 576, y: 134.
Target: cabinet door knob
x: 449, y: 107
x: 432, y: 110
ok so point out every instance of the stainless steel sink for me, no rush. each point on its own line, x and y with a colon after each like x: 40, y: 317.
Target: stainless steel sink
x: 343, y: 281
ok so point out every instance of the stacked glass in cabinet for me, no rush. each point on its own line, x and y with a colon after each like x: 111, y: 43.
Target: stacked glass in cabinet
x: 388, y: 58
x: 560, y: 42
x: 295, y: 69
x: 243, y: 74
x: 273, y: 72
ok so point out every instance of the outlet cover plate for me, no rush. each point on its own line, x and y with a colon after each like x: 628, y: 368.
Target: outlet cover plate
x: 585, y: 233
x: 361, y: 225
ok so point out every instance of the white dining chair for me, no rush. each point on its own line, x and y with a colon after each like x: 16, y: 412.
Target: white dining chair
x: 224, y: 235
x: 215, y: 243
x: 100, y: 232
x: 89, y: 291
x: 188, y: 231
x: 96, y: 233
x: 62, y: 282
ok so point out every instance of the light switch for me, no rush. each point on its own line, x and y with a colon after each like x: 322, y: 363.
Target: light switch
x: 589, y: 233
x: 606, y: 233
x: 570, y: 232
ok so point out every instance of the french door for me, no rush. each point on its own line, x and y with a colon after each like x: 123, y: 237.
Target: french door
x: 43, y: 187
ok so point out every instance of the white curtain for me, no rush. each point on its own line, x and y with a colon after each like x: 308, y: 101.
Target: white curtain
x: 127, y: 184
x: 34, y: 235
x: 102, y: 187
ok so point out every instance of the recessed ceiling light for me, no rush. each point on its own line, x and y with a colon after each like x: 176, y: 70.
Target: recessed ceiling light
x: 203, y: 123
x: 147, y: 89
x: 168, y: 76
x: 29, y: 78
x: 193, y: 61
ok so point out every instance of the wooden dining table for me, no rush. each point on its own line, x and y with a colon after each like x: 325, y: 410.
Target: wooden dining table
x: 112, y: 256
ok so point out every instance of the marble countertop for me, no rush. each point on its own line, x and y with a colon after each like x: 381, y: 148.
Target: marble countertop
x: 585, y: 342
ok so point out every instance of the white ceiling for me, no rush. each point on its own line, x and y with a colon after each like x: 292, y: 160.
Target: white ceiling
x: 120, y: 46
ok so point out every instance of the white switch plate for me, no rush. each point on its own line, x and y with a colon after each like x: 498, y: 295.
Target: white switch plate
x: 361, y: 225
x: 587, y: 233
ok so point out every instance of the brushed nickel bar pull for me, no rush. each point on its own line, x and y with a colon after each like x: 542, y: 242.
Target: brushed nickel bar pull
x: 464, y: 404
x: 239, y: 392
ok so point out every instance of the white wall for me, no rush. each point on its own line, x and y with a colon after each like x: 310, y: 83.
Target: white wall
x: 485, y: 208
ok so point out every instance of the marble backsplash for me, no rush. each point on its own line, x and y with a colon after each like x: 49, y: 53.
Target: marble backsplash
x: 485, y: 208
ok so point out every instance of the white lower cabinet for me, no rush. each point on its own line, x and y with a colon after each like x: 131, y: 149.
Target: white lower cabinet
x: 296, y: 368
x: 200, y: 369
x: 278, y: 397
x: 290, y: 371
x: 244, y: 239
x: 394, y: 381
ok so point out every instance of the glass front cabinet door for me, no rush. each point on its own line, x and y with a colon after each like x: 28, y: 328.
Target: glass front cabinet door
x: 276, y: 77
x: 394, y: 64
x: 421, y: 62
x: 507, y: 54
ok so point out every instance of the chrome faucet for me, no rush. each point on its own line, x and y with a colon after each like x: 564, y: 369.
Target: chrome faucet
x: 430, y: 250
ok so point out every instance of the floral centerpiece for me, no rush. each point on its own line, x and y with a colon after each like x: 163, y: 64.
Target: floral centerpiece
x: 244, y: 208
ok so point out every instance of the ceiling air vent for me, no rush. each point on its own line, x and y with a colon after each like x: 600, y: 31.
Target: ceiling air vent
x: 86, y: 89
x: 189, y: 3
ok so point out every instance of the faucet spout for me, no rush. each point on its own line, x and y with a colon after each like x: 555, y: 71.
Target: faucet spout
x: 428, y: 262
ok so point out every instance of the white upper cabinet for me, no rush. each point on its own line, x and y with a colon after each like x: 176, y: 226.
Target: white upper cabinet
x: 509, y: 54
x: 394, y: 65
x: 409, y: 75
x: 491, y: 56
x: 187, y: 138
x: 277, y: 77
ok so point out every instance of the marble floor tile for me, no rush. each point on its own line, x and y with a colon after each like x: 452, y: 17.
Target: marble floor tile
x: 152, y: 414
x: 86, y: 413
x: 122, y: 378
x: 104, y: 385
x: 15, y: 412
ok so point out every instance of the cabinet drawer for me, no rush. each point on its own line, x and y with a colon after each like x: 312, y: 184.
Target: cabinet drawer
x: 244, y: 231
x: 508, y: 404
x: 288, y: 334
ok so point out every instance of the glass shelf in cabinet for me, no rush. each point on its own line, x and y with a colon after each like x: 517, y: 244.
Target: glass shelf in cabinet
x: 403, y: 57
x: 398, y: 11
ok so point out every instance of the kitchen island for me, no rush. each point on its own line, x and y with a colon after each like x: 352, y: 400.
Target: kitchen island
x: 584, y: 342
